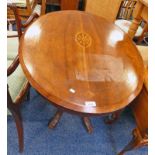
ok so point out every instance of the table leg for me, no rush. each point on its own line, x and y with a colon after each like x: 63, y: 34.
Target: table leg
x: 112, y: 117
x: 54, y: 121
x: 88, y: 124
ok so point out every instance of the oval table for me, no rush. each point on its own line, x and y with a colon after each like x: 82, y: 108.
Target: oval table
x: 81, y: 63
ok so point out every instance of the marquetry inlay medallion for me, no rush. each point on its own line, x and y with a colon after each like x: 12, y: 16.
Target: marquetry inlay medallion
x: 83, y: 39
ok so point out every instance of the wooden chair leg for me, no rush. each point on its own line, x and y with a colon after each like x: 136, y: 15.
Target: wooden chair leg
x: 54, y: 121
x: 88, y: 124
x: 19, y: 126
x: 15, y: 110
x: 136, y: 142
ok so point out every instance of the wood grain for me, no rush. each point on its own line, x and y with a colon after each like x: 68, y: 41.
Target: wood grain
x: 101, y: 77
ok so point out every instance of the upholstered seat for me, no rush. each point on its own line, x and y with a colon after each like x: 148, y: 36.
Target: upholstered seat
x: 12, y: 45
x: 16, y: 81
x: 18, y: 75
x: 125, y: 24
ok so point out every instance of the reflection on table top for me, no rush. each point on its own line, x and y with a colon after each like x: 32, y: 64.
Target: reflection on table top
x: 81, y: 62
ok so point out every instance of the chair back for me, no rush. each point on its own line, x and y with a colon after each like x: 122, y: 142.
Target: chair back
x: 140, y: 14
x: 126, y: 9
x: 107, y: 9
x: 26, y: 7
x: 69, y: 4
x: 13, y: 16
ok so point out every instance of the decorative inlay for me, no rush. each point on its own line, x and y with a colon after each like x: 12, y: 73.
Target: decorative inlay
x: 83, y: 39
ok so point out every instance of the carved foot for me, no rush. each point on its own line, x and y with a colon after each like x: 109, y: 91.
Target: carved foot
x: 136, y: 142
x: 112, y: 118
x: 88, y: 124
x: 54, y: 121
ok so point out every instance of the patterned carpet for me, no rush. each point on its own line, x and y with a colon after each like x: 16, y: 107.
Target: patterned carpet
x: 70, y: 136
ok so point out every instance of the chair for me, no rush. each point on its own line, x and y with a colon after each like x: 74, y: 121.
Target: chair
x: 53, y: 2
x: 140, y: 110
x: 140, y: 106
x: 140, y: 14
x: 27, y: 7
x: 143, y: 50
x: 124, y: 20
x: 110, y: 10
x: 14, y: 36
x: 126, y: 9
x: 107, y: 9
x: 18, y: 85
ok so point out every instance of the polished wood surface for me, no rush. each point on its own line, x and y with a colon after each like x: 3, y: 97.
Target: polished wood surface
x: 81, y: 62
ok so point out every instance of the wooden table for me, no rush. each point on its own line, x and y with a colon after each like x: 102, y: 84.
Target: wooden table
x: 81, y: 63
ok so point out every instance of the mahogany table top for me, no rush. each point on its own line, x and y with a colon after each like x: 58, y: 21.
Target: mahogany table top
x: 81, y: 62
